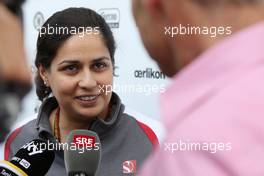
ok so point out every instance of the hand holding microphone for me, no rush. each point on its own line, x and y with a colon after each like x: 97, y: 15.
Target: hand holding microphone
x: 33, y: 159
x: 84, y: 162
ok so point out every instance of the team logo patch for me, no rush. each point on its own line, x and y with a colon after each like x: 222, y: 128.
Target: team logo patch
x: 130, y: 167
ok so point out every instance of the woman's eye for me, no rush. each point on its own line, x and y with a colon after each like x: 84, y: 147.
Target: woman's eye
x: 99, y: 66
x: 71, y: 68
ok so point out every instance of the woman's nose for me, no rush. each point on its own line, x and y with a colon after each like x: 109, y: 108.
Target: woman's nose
x: 87, y: 80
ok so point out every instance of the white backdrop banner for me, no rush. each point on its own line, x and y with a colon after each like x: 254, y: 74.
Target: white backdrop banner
x: 138, y: 80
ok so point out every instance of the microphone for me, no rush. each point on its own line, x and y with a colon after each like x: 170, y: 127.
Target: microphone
x: 84, y: 156
x: 32, y: 159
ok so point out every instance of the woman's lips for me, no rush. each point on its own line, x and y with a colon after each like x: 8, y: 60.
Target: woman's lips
x: 87, y: 100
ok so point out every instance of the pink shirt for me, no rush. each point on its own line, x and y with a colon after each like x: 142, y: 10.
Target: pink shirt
x: 216, y: 100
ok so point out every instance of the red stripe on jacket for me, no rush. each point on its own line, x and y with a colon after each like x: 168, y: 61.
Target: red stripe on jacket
x: 9, y: 140
x: 150, y: 134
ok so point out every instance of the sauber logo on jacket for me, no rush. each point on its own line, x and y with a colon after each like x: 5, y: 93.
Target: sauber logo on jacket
x: 130, y: 167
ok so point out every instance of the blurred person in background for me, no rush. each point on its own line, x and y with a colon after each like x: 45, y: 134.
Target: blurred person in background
x: 15, y: 77
x: 74, y: 79
x: 213, y: 110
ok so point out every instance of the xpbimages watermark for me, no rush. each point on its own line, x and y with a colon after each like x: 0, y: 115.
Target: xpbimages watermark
x: 145, y: 89
x: 212, y: 31
x: 186, y: 145
x: 64, y: 30
x: 40, y: 147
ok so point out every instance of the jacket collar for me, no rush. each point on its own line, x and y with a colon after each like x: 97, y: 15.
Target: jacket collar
x: 99, y: 126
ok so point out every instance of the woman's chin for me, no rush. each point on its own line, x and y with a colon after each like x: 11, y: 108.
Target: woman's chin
x: 90, y: 113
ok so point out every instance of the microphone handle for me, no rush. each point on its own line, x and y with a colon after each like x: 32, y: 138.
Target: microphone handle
x: 9, y: 169
x: 79, y: 174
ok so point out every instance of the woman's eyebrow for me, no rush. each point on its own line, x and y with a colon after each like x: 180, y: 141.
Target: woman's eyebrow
x: 69, y: 62
x: 73, y: 61
x: 100, y: 59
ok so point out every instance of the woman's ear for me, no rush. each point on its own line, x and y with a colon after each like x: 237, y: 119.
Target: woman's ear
x: 43, y: 74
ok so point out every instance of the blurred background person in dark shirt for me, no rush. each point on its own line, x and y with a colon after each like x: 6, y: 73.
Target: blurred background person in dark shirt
x: 15, y: 77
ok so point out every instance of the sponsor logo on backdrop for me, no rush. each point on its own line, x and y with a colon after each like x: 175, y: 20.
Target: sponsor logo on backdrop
x: 149, y: 73
x: 115, y: 71
x: 38, y: 20
x: 111, y: 16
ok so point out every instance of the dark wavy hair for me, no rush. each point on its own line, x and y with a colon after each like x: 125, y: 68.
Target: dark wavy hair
x: 48, y: 45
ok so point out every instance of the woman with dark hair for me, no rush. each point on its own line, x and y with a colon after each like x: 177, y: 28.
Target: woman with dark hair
x: 75, y: 61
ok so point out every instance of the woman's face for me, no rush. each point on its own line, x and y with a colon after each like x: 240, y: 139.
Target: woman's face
x: 78, y: 77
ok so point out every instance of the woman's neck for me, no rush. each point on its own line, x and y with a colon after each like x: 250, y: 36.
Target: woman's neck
x: 68, y: 124
x: 65, y: 124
